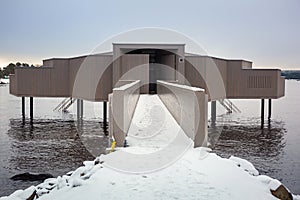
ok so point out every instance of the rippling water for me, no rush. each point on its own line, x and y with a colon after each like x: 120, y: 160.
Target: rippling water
x: 263, y: 147
x: 55, y: 144
x: 274, y: 149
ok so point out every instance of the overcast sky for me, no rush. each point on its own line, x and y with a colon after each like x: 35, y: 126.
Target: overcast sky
x: 266, y: 32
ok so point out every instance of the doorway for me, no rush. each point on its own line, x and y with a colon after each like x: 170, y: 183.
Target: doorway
x: 161, y: 63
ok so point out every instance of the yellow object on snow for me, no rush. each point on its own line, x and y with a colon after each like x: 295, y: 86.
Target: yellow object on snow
x: 113, y: 146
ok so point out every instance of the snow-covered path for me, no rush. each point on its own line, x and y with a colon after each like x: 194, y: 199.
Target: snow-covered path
x: 155, y: 139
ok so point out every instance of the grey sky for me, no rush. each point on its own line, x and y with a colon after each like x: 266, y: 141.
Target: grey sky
x: 265, y: 32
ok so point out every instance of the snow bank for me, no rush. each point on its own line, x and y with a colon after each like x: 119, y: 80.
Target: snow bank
x: 3, y: 80
x: 191, y: 177
x: 245, y: 165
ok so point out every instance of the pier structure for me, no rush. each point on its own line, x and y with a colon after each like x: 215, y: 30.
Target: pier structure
x: 165, y: 70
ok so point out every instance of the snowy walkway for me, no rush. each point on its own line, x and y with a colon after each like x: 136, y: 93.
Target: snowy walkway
x: 155, y: 139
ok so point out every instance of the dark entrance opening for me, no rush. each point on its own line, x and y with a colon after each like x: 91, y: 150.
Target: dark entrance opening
x: 157, y: 59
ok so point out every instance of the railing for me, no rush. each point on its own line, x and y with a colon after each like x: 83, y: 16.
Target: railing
x: 64, y: 105
x: 229, y: 106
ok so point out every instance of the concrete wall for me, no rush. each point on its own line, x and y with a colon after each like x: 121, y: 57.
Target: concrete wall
x: 122, y: 106
x: 188, y: 105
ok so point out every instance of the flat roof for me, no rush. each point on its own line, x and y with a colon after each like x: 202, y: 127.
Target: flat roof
x: 142, y: 44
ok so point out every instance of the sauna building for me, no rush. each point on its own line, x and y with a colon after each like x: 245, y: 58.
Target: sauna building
x: 56, y: 77
x: 94, y: 77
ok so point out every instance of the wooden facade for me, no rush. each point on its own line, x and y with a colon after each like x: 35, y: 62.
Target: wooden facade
x: 93, y: 77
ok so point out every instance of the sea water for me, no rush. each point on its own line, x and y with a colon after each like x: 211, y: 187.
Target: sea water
x: 55, y: 144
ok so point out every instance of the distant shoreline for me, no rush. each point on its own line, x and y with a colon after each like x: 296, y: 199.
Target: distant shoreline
x: 291, y: 74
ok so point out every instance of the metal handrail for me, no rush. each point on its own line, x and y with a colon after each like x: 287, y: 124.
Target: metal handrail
x: 69, y: 104
x: 59, y: 105
x: 229, y: 105
x: 64, y: 105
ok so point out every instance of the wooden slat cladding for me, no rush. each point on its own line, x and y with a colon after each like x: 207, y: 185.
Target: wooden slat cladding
x: 259, y: 82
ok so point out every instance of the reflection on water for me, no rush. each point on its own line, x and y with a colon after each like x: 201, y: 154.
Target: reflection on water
x: 246, y: 139
x: 57, y: 146
x: 93, y: 136
x: 50, y: 146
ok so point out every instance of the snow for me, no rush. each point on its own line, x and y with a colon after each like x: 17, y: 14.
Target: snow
x: 3, y: 80
x: 189, y: 178
x: 154, y: 137
x: 126, y: 86
x: 160, y: 163
x: 244, y: 164
x: 195, y: 89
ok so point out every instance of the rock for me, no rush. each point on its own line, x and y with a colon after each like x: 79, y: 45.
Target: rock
x: 282, y: 193
x: 33, y: 196
x: 31, y: 177
x: 69, y: 173
x: 98, y: 161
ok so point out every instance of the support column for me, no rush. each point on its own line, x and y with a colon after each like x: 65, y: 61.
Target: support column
x: 270, y: 109
x: 79, y: 109
x: 23, y: 110
x: 262, y: 112
x: 31, y: 108
x: 213, y: 112
x: 105, y: 117
x: 23, y: 107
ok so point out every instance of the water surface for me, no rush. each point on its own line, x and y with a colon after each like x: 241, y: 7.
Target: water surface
x: 55, y: 144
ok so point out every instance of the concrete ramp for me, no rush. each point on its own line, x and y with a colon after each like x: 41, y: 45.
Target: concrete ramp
x: 158, y: 129
x: 154, y: 137
x: 152, y: 126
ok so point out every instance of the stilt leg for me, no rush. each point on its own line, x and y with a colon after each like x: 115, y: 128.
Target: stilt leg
x: 105, y: 117
x: 270, y: 109
x: 262, y: 112
x: 213, y: 113
x: 31, y: 109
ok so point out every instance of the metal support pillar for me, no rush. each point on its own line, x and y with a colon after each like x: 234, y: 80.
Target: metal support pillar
x: 23, y: 110
x: 262, y: 112
x: 105, y: 117
x: 270, y: 109
x: 23, y: 107
x: 213, y: 112
x: 79, y: 109
x: 31, y: 108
